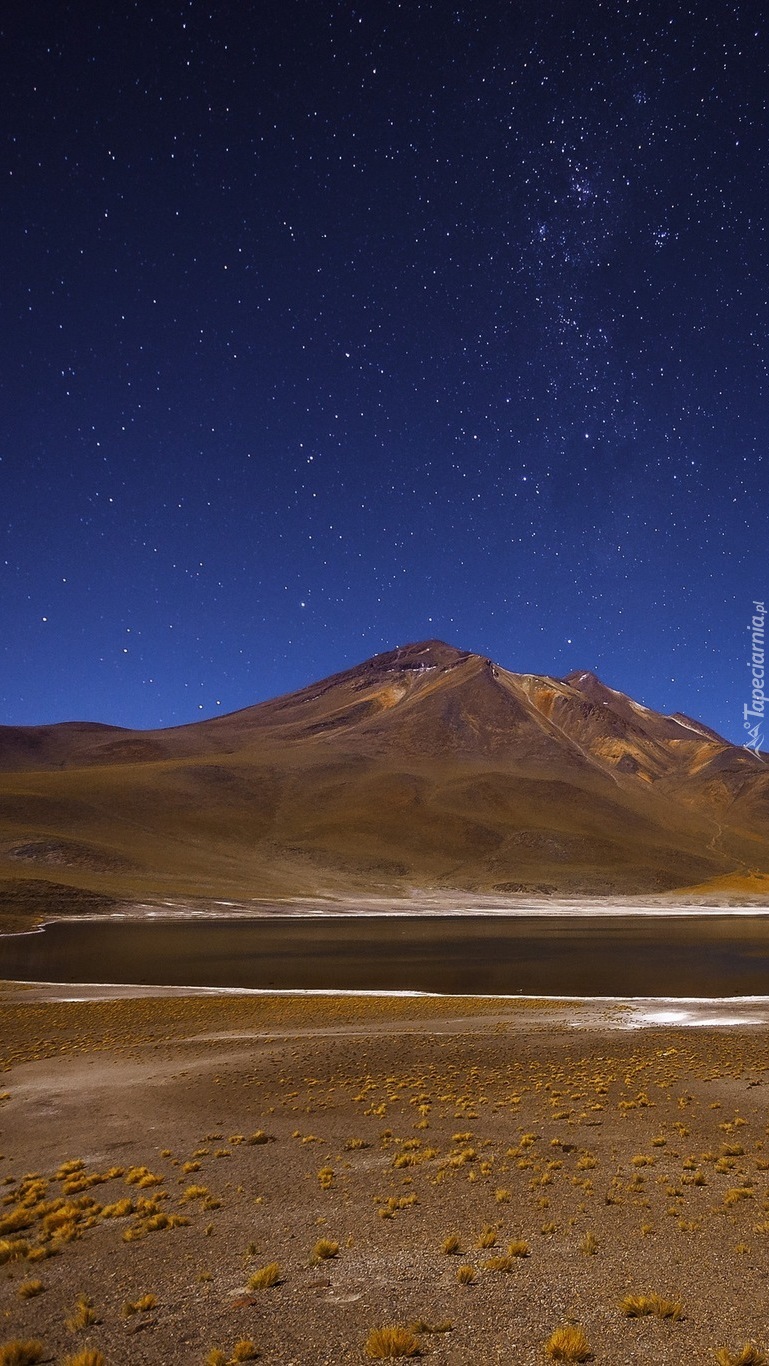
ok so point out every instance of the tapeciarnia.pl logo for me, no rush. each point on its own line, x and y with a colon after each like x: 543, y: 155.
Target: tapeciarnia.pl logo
x: 756, y: 710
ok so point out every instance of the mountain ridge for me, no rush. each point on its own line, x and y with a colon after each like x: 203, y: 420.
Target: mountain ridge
x: 417, y: 657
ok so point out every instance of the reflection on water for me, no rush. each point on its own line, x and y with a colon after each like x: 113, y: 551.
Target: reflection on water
x: 556, y: 956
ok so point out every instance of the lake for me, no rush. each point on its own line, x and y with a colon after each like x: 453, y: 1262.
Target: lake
x: 707, y: 956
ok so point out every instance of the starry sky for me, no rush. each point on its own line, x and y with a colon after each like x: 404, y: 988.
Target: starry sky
x: 328, y: 326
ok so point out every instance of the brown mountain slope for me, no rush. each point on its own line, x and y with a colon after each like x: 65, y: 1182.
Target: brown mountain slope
x: 424, y: 766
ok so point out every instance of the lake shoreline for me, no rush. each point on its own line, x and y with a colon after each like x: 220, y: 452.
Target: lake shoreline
x: 417, y: 904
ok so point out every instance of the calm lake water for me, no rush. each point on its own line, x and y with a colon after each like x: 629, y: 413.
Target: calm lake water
x: 611, y: 956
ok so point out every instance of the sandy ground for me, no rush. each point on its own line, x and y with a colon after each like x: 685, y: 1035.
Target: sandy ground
x: 243, y: 1129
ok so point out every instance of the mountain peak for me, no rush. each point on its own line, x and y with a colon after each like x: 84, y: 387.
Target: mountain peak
x: 583, y: 679
x: 653, y: 723
x: 420, y: 654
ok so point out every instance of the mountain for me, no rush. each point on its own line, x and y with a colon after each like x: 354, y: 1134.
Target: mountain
x: 425, y: 766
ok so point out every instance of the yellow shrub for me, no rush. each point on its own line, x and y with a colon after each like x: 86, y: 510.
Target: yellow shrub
x: 638, y: 1306
x: 385, y: 1343
x: 749, y: 1355
x: 83, y: 1314
x: 568, y: 1344
x: 265, y: 1277
x: 21, y: 1352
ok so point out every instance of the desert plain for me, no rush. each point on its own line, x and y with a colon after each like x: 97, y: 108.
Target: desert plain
x: 213, y: 1177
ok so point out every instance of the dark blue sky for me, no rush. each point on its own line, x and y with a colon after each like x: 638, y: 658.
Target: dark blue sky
x: 326, y: 327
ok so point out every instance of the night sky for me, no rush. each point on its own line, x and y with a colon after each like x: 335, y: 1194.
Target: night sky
x: 327, y: 327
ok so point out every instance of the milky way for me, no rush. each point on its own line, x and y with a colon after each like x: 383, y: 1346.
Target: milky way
x: 326, y: 327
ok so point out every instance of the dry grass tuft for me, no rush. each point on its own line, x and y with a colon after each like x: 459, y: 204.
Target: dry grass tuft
x: 75, y: 1164
x: 385, y: 1343
x: 245, y: 1350
x: 487, y: 1237
x: 21, y: 1352
x: 17, y: 1220
x: 324, y: 1249
x: 518, y: 1248
x: 265, y: 1277
x: 28, y: 1289
x: 83, y: 1314
x: 638, y: 1306
x: 119, y: 1210
x: 749, y: 1355
x: 466, y: 1274
x: 216, y: 1357
x: 568, y: 1344
x: 90, y: 1356
x: 589, y: 1244
x: 140, y: 1306
x: 451, y: 1244
x: 738, y: 1193
x: 196, y: 1193
x: 142, y: 1177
